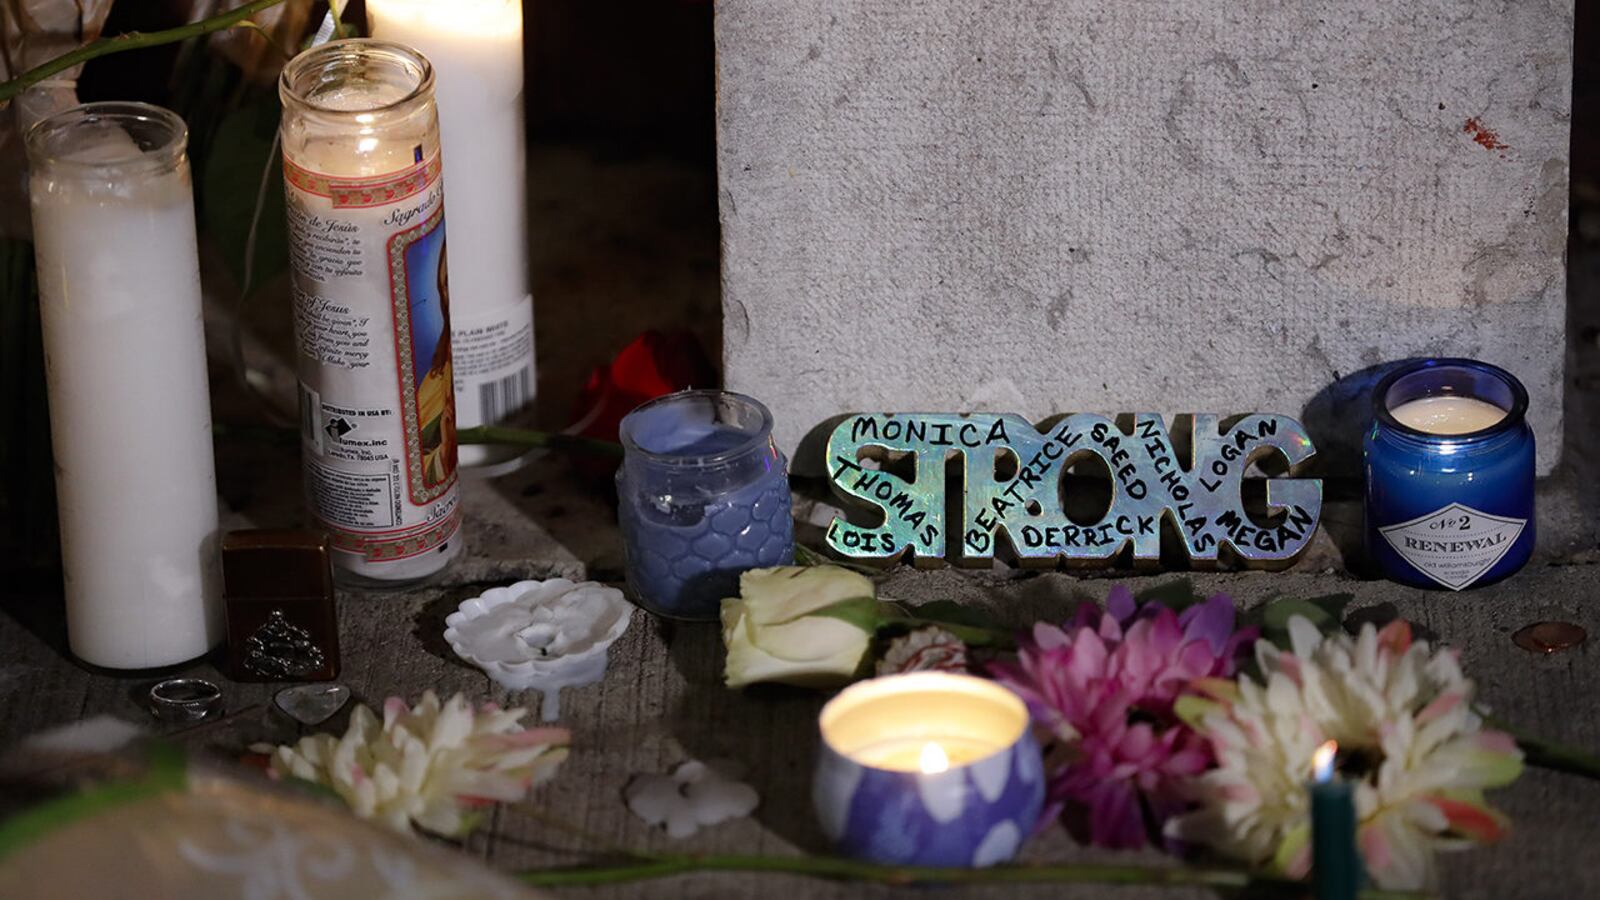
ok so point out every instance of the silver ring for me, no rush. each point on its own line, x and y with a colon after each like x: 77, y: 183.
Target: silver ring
x: 185, y: 700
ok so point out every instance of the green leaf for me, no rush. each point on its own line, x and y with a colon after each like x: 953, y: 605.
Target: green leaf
x: 1177, y: 595
x: 866, y: 613
x: 1325, y: 612
x: 340, y: 28
x: 1192, y: 710
x: 950, y: 612
x: 311, y: 788
x: 971, y: 626
x: 974, y: 636
x: 240, y: 151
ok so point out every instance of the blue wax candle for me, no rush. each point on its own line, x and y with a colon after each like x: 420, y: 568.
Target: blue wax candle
x: 703, y: 495
x: 1335, y: 862
x: 1449, y: 498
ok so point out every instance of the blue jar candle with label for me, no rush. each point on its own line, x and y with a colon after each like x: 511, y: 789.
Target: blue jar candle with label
x: 1449, y: 467
x: 703, y: 496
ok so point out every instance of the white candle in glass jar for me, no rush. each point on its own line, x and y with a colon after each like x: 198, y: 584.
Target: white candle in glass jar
x: 119, y: 297
x: 475, y: 47
x: 1447, y: 414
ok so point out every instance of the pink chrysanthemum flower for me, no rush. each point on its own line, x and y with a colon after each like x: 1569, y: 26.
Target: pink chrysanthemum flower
x: 1103, y: 688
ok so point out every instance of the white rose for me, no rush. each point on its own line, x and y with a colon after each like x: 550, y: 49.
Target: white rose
x: 771, y: 635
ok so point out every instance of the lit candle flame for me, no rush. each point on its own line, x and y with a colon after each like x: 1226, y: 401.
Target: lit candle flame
x: 934, y: 760
x: 1322, y: 762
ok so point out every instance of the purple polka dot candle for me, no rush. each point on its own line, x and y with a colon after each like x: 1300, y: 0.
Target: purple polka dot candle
x: 931, y: 769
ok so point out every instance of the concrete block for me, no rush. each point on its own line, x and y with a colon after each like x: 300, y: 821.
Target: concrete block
x: 1108, y: 206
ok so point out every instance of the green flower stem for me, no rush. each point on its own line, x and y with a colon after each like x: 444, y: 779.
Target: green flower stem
x: 523, y: 437
x: 1549, y: 754
x: 133, y: 40
x: 167, y: 773
x: 805, y: 556
x: 851, y: 870
x: 971, y: 635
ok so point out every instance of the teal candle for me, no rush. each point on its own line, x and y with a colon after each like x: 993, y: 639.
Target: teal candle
x: 1335, y: 863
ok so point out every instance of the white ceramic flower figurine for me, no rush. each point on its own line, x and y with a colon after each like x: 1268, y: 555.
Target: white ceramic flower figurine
x: 540, y: 635
x: 426, y: 765
x: 772, y: 634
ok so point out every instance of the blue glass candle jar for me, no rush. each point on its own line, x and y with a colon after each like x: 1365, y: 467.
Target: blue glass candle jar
x: 703, y: 495
x: 1449, y: 466
x: 928, y: 769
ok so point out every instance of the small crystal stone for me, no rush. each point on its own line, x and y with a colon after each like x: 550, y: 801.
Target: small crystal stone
x: 312, y: 704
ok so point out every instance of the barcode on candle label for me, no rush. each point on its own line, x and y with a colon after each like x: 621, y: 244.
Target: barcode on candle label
x: 493, y: 352
x: 1454, y: 545
x: 497, y: 399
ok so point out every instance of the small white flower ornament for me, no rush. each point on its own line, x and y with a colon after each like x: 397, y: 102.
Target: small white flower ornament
x: 694, y: 796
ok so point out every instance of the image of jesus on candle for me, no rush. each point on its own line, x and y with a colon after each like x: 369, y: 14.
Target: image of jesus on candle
x: 429, y: 301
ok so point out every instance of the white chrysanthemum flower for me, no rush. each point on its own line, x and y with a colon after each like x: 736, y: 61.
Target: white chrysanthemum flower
x: 426, y: 764
x: 1408, y: 738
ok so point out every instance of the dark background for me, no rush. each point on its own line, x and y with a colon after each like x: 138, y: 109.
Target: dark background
x: 620, y: 105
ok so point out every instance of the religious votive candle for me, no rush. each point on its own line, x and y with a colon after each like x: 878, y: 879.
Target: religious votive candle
x: 476, y: 50
x: 1450, y: 474
x: 125, y: 365
x: 929, y: 768
x: 371, y: 278
x: 702, y: 496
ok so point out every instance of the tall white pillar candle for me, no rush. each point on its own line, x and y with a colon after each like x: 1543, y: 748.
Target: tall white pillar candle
x: 130, y: 417
x: 476, y: 50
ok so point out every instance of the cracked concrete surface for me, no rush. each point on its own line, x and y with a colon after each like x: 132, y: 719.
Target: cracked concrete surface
x: 1120, y: 207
